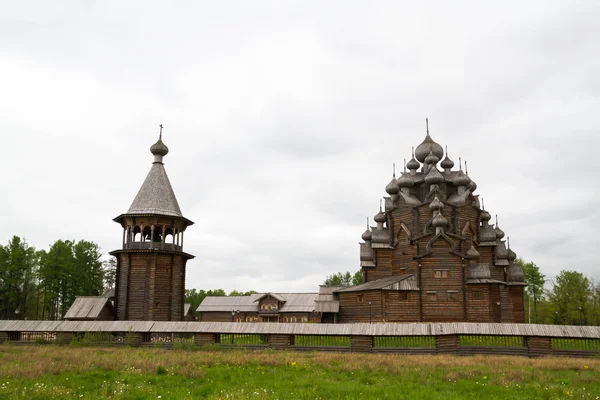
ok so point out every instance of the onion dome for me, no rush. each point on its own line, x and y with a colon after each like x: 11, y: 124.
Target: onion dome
x: 487, y: 234
x: 431, y: 159
x: 413, y: 164
x: 434, y: 177
x: 499, y: 232
x: 510, y: 255
x: 472, y: 186
x: 447, y: 163
x: 501, y: 251
x: 436, y: 204
x: 159, y: 148
x: 439, y: 221
x: 392, y: 187
x: 428, y: 146
x: 472, y: 254
x: 515, y: 273
x: 380, y: 217
x: 366, y: 236
x: 405, y: 181
x: 485, y: 216
x: 461, y: 179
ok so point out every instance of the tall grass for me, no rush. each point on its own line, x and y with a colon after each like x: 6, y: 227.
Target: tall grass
x: 62, y: 372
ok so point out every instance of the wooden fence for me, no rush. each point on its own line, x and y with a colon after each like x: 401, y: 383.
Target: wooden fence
x: 415, y: 338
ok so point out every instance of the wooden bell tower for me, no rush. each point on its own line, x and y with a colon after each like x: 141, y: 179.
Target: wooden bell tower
x: 150, y: 281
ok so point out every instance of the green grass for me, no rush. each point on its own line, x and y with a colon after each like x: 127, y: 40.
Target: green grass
x: 321, y: 341
x: 576, y: 344
x: 57, y: 372
x: 491, y: 341
x: 227, y: 338
x: 404, y: 341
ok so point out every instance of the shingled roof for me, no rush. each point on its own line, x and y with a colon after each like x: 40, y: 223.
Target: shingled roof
x: 294, y: 302
x: 89, y: 308
x: 397, y: 282
x: 156, y: 195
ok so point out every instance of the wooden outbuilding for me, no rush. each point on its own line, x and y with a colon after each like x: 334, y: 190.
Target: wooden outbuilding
x: 260, y: 307
x: 91, y: 308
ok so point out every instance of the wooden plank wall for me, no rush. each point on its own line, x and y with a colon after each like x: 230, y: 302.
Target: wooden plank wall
x: 478, y: 309
x: 122, y: 286
x: 201, y: 339
x: 442, y: 308
x: 351, y: 310
x: 538, y: 346
x: 447, y: 344
x: 515, y: 294
x: 361, y: 344
x: 398, y: 310
x: 280, y: 341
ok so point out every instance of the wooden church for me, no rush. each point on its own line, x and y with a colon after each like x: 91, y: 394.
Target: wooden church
x: 433, y: 255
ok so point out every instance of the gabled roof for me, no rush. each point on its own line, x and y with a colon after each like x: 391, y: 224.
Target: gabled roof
x: 87, y: 307
x: 186, y: 308
x: 397, y: 282
x: 273, y: 295
x: 156, y: 195
x: 293, y: 302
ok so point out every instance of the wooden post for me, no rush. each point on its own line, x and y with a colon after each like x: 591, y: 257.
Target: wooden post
x: 538, y: 346
x: 447, y: 344
x: 361, y: 344
x: 201, y: 339
x: 64, y: 337
x: 280, y: 342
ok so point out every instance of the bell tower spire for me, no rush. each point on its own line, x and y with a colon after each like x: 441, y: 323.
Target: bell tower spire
x: 151, y: 264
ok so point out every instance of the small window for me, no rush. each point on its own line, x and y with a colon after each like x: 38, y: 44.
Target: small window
x: 156, y: 305
x: 432, y: 296
x: 360, y: 298
x: 452, y: 296
x: 477, y: 295
x: 304, y: 319
x: 403, y: 296
x: 248, y: 319
x: 440, y: 273
x: 285, y: 319
x: 292, y: 319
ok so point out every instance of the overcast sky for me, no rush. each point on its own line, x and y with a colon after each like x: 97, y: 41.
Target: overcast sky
x: 283, y: 120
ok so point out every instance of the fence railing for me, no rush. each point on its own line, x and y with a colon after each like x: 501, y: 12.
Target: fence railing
x: 439, y: 338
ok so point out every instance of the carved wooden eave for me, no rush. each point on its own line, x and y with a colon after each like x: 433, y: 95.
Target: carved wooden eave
x: 154, y: 250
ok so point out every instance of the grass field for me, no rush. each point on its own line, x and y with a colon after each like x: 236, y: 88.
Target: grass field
x: 56, y: 372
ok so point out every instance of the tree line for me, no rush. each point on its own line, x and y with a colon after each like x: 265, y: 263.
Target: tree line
x: 570, y: 298
x: 42, y: 284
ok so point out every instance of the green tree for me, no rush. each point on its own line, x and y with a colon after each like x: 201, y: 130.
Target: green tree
x: 18, y: 264
x: 570, y: 297
x: 68, y: 270
x: 344, y: 279
x: 535, y: 285
x: 237, y: 293
x: 110, y: 272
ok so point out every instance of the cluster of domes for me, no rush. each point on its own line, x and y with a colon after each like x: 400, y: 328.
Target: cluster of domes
x: 442, y: 187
